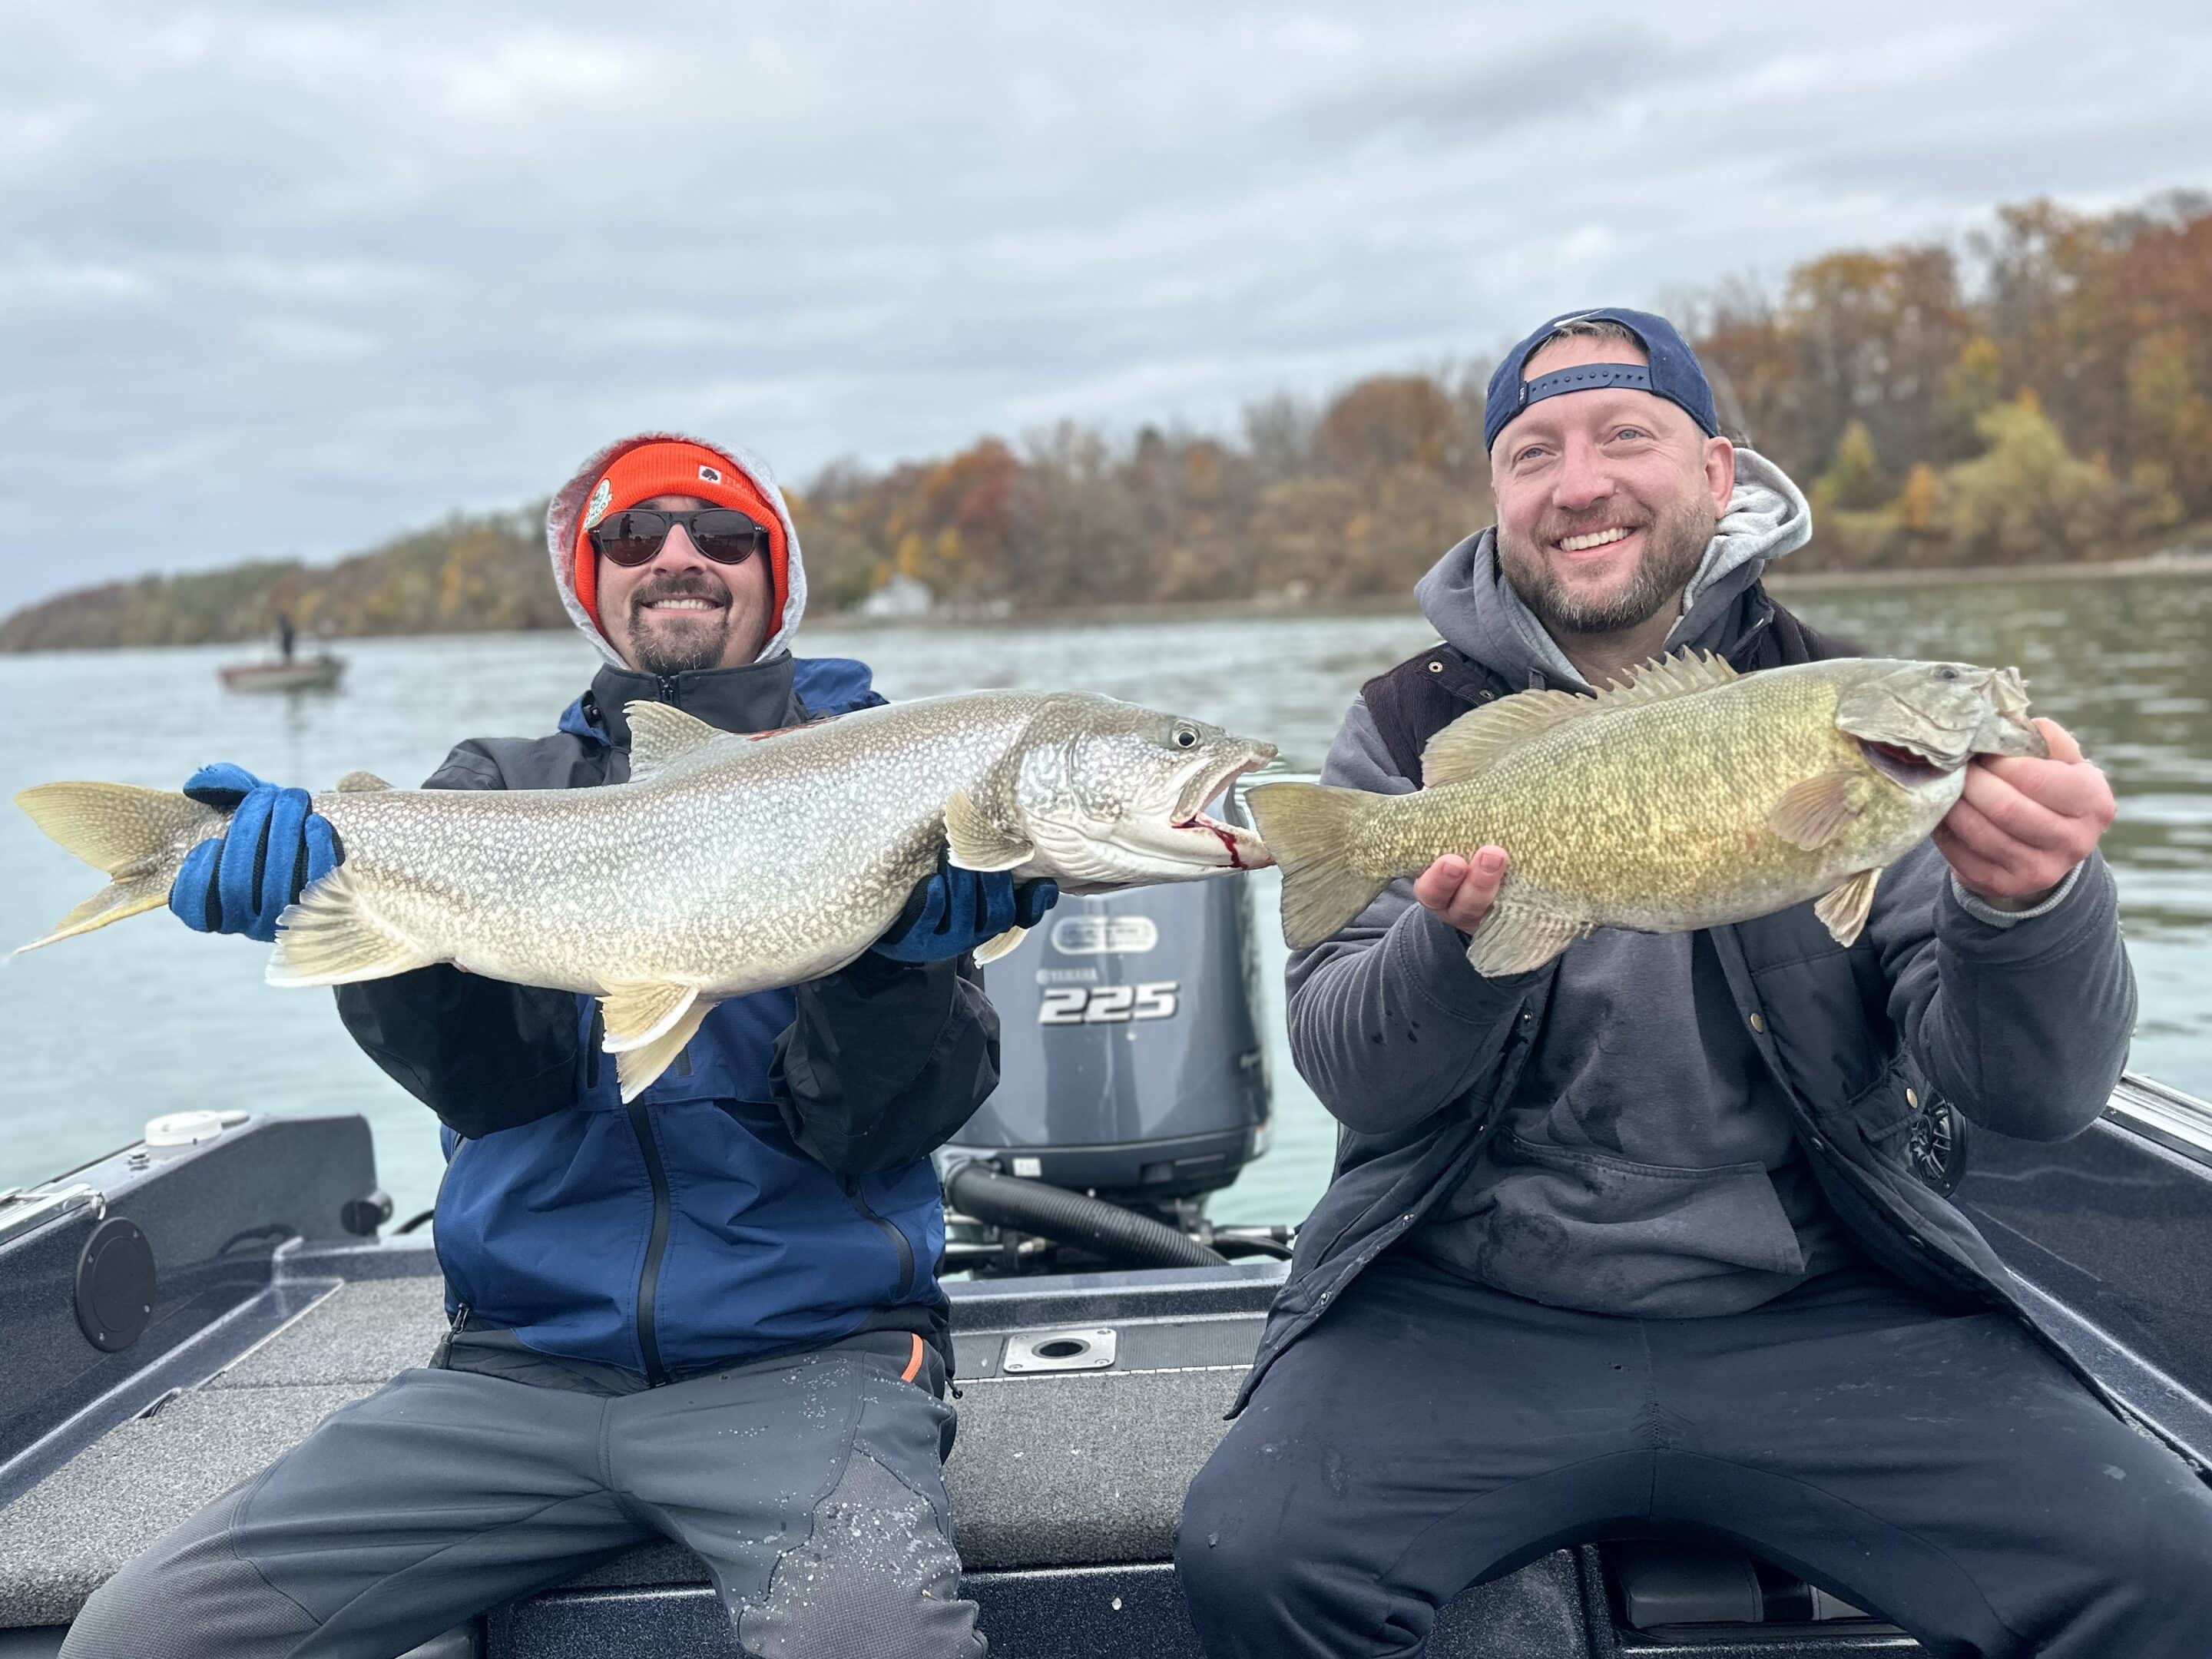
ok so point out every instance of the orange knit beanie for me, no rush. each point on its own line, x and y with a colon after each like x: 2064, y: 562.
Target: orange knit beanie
x: 669, y: 467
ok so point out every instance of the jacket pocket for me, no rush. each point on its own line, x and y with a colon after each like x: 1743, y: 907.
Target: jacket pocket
x: 1878, y: 1114
x: 1561, y: 1224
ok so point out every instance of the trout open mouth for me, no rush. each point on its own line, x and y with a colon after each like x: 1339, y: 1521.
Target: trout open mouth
x: 1908, y: 768
x: 1244, y: 849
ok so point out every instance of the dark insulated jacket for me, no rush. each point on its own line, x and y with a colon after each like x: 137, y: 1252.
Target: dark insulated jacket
x: 1820, y: 1019
x: 771, y: 1192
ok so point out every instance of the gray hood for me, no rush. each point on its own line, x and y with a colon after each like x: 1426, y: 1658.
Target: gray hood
x: 1467, y: 599
x: 567, y: 506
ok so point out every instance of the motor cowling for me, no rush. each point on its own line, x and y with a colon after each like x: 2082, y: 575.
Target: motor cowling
x: 1131, y: 1066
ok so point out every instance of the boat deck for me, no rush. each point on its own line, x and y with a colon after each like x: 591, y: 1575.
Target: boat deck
x: 1066, y: 1485
x: 1053, y: 1472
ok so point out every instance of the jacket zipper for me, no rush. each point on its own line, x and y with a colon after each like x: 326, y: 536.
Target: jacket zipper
x: 890, y: 1231
x: 656, y: 1244
x: 648, y: 1280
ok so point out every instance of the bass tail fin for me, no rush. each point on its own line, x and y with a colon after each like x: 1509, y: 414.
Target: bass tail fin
x: 138, y: 836
x: 1311, y: 828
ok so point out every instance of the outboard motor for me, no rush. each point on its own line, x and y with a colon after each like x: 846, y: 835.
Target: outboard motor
x: 1132, y: 1083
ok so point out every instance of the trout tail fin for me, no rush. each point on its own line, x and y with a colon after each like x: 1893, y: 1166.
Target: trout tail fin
x: 1311, y: 828
x: 138, y: 836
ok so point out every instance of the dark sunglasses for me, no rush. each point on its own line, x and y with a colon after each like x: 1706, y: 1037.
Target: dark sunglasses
x: 631, y: 537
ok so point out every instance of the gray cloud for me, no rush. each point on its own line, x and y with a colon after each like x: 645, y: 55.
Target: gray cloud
x: 275, y: 280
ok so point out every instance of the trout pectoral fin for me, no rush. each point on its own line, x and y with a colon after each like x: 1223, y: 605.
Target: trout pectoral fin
x: 1843, y: 909
x: 635, y: 1015
x: 1514, y: 938
x: 991, y: 949
x: 976, y: 842
x: 1813, y: 813
x: 637, y: 1068
x: 330, y: 937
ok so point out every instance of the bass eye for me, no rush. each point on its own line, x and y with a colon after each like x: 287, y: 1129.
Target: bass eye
x: 1185, y: 738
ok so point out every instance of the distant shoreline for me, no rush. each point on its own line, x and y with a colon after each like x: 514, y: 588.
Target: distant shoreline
x: 2191, y: 562
x: 2179, y: 562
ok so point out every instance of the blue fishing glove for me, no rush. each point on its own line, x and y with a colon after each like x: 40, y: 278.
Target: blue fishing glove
x: 273, y: 846
x: 952, y: 912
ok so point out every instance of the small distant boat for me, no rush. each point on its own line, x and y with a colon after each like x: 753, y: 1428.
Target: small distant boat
x: 318, y: 673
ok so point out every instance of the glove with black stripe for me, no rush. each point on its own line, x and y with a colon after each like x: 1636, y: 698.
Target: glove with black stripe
x: 273, y: 848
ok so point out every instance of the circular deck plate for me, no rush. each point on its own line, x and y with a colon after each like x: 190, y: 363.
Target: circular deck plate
x: 114, y: 1285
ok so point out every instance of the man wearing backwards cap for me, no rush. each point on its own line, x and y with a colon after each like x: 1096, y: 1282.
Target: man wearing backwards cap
x: 709, y: 1315
x: 1631, y: 1245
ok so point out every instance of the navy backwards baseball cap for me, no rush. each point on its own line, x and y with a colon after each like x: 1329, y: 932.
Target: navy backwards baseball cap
x: 1673, y: 372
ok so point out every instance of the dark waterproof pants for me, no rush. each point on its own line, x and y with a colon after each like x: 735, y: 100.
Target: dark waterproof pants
x: 1942, y: 1470
x: 812, y: 1488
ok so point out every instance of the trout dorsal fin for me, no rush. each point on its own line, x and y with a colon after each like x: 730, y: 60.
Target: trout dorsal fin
x: 361, y: 783
x: 659, y: 735
x: 1479, y: 739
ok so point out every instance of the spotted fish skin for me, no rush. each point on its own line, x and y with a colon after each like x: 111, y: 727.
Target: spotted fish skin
x: 1689, y: 797
x: 742, y: 864
x: 728, y: 864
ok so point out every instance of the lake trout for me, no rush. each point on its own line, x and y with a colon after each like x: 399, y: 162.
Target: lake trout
x: 1689, y: 797
x: 729, y: 864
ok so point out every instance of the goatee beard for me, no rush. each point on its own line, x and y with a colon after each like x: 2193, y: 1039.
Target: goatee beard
x: 1674, y: 546
x: 666, y: 659
x: 684, y: 649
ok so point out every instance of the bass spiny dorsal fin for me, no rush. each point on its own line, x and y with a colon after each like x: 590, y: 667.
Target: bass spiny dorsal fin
x: 1479, y: 739
x: 1682, y: 675
x: 659, y: 735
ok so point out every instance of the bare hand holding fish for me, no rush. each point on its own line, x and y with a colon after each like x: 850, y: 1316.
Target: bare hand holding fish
x: 2022, y: 823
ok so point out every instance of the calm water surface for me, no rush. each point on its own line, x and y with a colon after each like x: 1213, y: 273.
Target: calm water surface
x: 147, y: 1017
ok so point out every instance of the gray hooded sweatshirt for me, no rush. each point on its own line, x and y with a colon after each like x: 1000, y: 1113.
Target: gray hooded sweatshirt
x: 1645, y: 1166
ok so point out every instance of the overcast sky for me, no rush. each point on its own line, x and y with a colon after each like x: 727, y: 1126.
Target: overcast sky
x: 290, y: 279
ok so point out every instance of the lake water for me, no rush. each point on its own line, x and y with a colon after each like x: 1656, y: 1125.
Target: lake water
x: 105, y: 1031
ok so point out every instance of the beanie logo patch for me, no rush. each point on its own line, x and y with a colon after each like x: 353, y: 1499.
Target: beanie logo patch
x: 600, y: 498
x: 709, y: 475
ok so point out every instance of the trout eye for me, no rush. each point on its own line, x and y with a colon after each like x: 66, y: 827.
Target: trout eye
x: 1947, y: 673
x: 1185, y: 738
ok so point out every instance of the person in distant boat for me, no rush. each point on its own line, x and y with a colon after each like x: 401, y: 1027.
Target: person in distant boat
x: 710, y: 1314
x: 284, y: 634
x: 1633, y: 1243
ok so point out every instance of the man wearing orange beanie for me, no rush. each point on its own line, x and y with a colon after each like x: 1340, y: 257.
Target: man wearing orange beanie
x: 667, y: 616
x: 719, y: 1296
